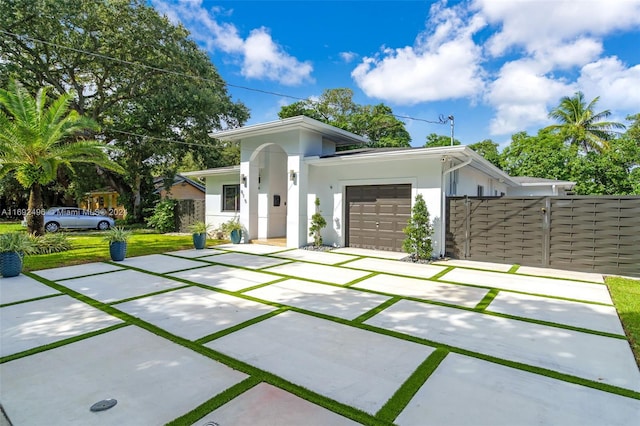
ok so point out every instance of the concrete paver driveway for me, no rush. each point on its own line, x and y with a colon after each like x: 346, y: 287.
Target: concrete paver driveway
x: 249, y: 334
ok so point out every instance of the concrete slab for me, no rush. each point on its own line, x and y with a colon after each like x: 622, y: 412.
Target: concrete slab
x: 371, y: 253
x: 251, y: 248
x: 65, y: 272
x: 120, y: 285
x: 327, y: 258
x: 542, y: 286
x: 245, y: 260
x: 395, y: 267
x: 561, y: 273
x: 193, y: 253
x: 224, y: 277
x: 491, y: 394
x: 602, y: 359
x: 326, y: 299
x: 194, y: 312
x: 264, y: 404
x: 310, y: 271
x: 353, y: 366
x: 490, y: 266
x: 423, y: 289
x: 22, y: 287
x: 577, y: 314
x: 32, y: 324
x: 161, y: 264
x: 153, y: 380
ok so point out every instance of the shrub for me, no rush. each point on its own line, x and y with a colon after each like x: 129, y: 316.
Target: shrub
x: 116, y: 234
x: 19, y: 242
x: 418, y: 231
x: 318, y: 223
x: 50, y: 243
x: 164, y: 216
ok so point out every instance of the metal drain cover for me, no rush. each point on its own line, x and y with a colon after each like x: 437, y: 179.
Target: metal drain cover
x: 105, y: 404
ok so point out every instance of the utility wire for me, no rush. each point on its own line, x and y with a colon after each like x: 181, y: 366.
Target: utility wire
x: 182, y: 74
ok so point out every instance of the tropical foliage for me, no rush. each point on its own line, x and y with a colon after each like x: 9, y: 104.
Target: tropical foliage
x: 337, y: 108
x: 581, y: 126
x: 419, y: 231
x: 36, y: 138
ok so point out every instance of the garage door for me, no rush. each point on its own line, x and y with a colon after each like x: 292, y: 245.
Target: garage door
x: 376, y: 216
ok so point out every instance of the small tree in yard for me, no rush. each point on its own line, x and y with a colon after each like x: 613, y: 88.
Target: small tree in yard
x: 418, y: 231
x: 317, y: 224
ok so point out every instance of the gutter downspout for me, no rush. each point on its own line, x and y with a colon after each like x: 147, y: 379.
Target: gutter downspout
x: 443, y: 201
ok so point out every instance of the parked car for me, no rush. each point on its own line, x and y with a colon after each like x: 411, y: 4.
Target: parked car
x: 75, y: 218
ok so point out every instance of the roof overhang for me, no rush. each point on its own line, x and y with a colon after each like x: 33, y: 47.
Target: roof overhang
x: 338, y: 136
x: 456, y: 154
x: 220, y: 171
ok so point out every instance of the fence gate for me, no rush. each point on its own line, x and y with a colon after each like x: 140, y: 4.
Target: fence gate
x: 598, y: 233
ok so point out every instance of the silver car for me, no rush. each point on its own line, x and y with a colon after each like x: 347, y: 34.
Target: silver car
x: 75, y: 218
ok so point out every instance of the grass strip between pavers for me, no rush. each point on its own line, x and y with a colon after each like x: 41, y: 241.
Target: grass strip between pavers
x: 486, y: 300
x: 442, y: 273
x: 17, y: 302
x: 216, y: 402
x: 222, y: 333
x: 381, y: 307
x: 513, y: 269
x: 398, y: 402
x: 59, y: 343
x: 155, y: 293
x: 318, y: 399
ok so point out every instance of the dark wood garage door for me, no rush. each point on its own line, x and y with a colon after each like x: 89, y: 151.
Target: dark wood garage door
x: 376, y: 216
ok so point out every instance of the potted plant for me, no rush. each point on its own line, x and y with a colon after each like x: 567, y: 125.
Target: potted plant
x: 199, y: 231
x: 13, y: 247
x: 117, y: 238
x: 233, y: 229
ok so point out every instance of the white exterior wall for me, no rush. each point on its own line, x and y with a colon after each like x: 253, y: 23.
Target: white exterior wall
x: 214, y: 216
x: 470, y: 178
x: 329, y: 184
x: 526, y: 191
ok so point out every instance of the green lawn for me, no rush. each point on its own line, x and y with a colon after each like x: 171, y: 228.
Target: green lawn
x: 90, y: 247
x: 626, y: 298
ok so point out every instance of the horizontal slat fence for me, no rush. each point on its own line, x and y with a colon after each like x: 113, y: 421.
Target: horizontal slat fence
x: 596, y: 234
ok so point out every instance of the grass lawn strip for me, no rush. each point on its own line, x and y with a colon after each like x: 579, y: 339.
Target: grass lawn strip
x: 222, y: 333
x: 513, y: 269
x: 17, y: 302
x: 410, y: 387
x: 625, y: 293
x: 486, y: 300
x: 377, y: 309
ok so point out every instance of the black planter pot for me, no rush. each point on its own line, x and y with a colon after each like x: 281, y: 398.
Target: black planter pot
x: 236, y: 236
x: 118, y: 250
x: 199, y: 241
x: 10, y: 264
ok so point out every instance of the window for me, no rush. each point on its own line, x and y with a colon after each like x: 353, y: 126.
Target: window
x: 453, y: 182
x: 480, y: 190
x: 231, y: 198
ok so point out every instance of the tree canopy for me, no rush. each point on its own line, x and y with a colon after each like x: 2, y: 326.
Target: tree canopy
x: 155, y: 94
x: 337, y: 108
x: 435, y: 140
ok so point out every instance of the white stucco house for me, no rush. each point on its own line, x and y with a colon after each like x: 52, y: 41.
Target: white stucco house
x: 365, y: 194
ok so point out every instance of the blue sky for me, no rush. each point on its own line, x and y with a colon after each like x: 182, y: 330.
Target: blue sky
x: 497, y: 66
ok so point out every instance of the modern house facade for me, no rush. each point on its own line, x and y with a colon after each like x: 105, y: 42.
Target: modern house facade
x: 365, y: 194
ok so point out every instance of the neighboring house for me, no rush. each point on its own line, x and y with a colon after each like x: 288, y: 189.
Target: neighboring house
x: 365, y: 194
x: 182, y: 188
x: 530, y: 186
x: 104, y: 201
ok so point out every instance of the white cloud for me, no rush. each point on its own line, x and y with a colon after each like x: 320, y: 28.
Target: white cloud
x: 617, y: 85
x: 541, y: 25
x: 521, y: 94
x: 348, y: 57
x: 443, y: 63
x: 260, y: 56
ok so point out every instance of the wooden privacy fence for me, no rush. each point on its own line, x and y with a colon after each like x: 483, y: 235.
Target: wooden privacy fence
x: 595, y: 233
x: 188, y: 212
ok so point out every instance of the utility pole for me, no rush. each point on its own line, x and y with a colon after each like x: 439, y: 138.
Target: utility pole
x: 451, y: 121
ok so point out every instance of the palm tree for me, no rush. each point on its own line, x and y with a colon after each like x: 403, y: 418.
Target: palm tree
x: 580, y: 125
x: 35, y: 139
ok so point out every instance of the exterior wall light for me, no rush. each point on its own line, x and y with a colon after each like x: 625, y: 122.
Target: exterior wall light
x: 243, y: 178
x: 292, y: 175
